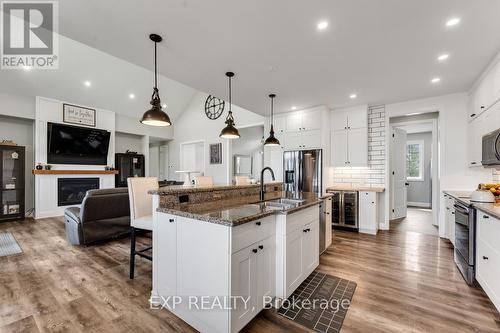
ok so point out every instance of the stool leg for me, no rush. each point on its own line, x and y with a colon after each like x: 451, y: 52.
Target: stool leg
x: 132, y: 253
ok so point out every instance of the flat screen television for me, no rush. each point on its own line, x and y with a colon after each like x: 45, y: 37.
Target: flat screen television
x: 76, y: 145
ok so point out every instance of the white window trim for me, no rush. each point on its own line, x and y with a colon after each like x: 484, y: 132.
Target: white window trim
x: 420, y: 178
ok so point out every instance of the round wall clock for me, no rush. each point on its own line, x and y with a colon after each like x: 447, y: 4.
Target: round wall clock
x: 214, y: 107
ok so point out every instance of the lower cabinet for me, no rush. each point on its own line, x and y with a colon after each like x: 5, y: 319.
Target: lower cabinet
x: 328, y: 222
x: 449, y: 203
x: 368, y: 212
x: 252, y: 280
x: 297, y: 252
x: 488, y: 256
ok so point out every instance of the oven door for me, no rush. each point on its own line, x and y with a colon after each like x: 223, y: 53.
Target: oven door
x: 463, y: 233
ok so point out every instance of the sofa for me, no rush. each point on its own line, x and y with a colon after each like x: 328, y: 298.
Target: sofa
x: 103, y: 215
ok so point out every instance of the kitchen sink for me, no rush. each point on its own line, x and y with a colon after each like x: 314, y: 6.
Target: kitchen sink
x: 285, y: 201
x: 273, y: 205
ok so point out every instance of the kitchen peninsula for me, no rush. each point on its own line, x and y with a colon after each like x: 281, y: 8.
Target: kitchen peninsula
x: 225, y: 244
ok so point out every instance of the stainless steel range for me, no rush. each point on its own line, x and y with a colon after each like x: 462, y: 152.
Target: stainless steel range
x: 465, y: 239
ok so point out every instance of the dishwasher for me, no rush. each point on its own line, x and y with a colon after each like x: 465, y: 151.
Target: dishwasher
x: 322, y: 227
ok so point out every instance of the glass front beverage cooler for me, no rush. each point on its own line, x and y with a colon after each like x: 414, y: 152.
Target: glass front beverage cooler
x: 12, y: 183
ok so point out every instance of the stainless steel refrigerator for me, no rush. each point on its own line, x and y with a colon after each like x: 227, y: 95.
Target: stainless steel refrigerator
x: 303, y: 171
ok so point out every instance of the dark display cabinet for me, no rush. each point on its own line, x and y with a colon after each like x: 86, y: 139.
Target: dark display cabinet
x: 12, y: 183
x: 128, y: 165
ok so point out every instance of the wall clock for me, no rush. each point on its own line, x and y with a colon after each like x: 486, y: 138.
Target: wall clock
x: 214, y: 107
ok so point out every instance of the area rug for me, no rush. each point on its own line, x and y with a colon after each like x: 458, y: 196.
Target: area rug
x: 8, y: 245
x: 320, y: 303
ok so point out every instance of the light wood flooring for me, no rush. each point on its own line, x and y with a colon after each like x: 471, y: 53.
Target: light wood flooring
x: 416, y: 220
x: 407, y: 282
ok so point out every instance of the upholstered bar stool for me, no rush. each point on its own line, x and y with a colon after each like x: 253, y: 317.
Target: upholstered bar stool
x: 203, y: 181
x: 242, y: 180
x: 141, y: 213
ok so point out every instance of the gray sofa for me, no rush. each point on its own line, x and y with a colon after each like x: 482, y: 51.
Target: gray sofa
x: 104, y: 214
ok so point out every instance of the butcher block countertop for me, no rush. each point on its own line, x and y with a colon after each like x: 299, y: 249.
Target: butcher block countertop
x: 359, y: 188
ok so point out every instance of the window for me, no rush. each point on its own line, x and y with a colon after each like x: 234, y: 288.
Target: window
x: 415, y: 160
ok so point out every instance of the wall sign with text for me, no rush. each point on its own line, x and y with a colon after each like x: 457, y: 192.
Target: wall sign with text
x: 74, y: 114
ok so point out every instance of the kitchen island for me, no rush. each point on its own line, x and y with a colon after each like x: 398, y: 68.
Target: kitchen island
x: 220, y: 254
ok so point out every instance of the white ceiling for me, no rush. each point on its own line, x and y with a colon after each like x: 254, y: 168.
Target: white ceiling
x: 112, y: 80
x: 383, y: 50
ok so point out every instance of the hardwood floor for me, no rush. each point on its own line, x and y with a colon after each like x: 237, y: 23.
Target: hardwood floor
x: 418, y: 220
x: 407, y: 282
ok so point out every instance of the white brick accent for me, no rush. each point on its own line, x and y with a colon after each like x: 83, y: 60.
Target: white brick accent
x: 374, y: 174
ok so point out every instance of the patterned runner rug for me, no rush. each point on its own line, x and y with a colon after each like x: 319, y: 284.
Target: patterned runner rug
x: 8, y: 245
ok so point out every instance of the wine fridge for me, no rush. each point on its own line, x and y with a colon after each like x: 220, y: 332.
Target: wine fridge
x: 345, y: 209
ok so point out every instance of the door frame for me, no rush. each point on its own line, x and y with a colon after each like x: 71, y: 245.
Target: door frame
x: 435, y: 167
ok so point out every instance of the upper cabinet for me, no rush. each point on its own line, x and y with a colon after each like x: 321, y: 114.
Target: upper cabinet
x: 349, y: 137
x: 303, y: 121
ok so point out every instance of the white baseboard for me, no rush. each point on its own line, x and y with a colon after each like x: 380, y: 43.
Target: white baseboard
x: 419, y: 204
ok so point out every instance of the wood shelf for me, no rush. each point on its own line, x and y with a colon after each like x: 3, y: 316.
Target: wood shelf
x: 74, y: 172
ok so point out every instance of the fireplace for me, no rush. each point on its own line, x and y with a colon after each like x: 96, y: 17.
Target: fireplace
x: 71, y: 191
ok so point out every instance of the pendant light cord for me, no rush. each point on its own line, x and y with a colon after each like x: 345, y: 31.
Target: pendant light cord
x: 229, y: 94
x: 272, y: 110
x: 156, y: 70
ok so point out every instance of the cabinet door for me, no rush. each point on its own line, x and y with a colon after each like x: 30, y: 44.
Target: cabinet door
x: 294, y: 122
x: 266, y: 271
x: 293, y: 140
x: 294, y: 253
x: 311, y: 120
x: 357, y: 147
x: 310, y: 246
x: 311, y: 139
x: 279, y: 125
x: 368, y: 218
x: 358, y: 118
x: 273, y: 157
x: 166, y: 249
x: 328, y: 222
x: 339, y: 148
x: 338, y: 120
x: 474, y: 144
x: 243, y: 285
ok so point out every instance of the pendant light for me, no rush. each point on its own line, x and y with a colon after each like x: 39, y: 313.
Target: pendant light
x: 229, y: 132
x: 271, y: 140
x: 155, y: 116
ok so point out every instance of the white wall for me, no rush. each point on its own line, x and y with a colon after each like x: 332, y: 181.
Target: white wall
x: 454, y: 173
x: 132, y: 142
x: 17, y: 105
x: 194, y: 125
x: 21, y: 131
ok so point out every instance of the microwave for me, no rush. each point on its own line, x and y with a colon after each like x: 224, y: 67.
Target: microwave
x: 491, y: 148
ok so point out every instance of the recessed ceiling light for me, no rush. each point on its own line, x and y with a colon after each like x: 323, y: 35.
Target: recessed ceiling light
x: 443, y: 57
x: 453, y: 21
x: 322, y: 25
x: 353, y: 96
x: 131, y: 96
x: 436, y: 80
x: 294, y: 107
x: 87, y: 83
x: 27, y: 68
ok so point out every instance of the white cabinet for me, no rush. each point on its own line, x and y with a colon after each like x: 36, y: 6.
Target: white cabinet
x: 488, y: 256
x: 368, y: 212
x: 481, y: 125
x: 297, y: 252
x: 303, y: 121
x: 302, y: 140
x: 252, y: 279
x: 449, y: 203
x: 328, y: 223
x: 349, y: 137
x: 349, y: 118
x: 349, y: 147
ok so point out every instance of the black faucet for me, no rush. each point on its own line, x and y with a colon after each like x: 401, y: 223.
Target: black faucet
x: 262, y: 190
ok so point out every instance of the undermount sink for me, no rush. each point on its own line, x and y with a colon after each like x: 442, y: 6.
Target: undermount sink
x: 276, y: 205
x: 288, y: 201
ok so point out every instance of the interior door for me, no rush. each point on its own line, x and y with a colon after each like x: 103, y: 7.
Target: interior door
x: 398, y: 174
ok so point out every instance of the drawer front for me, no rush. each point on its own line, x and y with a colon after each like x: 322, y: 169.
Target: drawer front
x: 301, y: 218
x: 251, y: 232
x: 488, y: 271
x: 488, y: 230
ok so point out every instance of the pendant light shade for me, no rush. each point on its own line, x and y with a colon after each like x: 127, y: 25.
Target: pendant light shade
x: 155, y: 116
x: 271, y: 140
x: 229, y: 132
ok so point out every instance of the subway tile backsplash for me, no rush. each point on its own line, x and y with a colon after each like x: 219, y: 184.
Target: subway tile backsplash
x: 374, y: 174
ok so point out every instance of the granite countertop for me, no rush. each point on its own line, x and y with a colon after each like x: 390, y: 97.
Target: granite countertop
x: 182, y: 189
x: 492, y: 209
x: 359, y: 188
x: 243, y: 213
